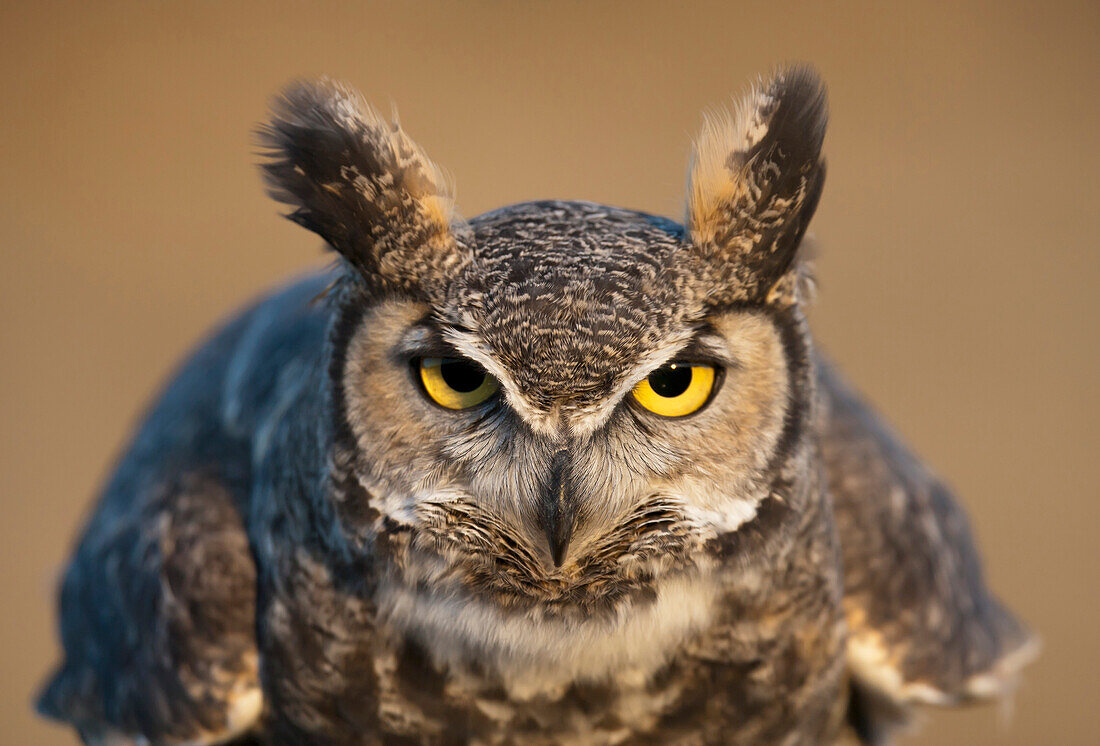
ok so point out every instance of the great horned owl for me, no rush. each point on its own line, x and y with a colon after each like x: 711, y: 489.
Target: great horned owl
x: 560, y: 474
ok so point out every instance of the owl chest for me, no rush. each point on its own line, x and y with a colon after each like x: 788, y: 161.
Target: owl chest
x: 697, y: 661
x: 534, y: 652
x: 677, y: 668
x: 554, y: 679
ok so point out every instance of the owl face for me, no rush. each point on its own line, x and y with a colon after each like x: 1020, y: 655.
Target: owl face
x: 586, y: 420
x: 558, y: 403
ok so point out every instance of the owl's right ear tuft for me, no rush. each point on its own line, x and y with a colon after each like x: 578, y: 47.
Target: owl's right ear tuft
x: 755, y: 181
x: 363, y: 185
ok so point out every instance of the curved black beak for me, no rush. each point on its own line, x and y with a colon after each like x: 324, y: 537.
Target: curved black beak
x: 557, y: 506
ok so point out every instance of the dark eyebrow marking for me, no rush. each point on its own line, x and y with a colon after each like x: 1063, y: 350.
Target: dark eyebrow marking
x: 694, y: 351
x: 424, y: 339
x: 700, y: 349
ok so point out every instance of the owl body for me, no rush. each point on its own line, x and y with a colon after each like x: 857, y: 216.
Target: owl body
x: 563, y: 473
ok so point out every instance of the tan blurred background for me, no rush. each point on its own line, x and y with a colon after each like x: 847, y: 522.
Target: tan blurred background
x: 959, y: 235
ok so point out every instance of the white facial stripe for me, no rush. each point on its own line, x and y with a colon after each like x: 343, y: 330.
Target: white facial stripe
x: 588, y: 421
x: 540, y: 422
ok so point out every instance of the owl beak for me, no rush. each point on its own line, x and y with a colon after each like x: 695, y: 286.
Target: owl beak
x: 557, y: 506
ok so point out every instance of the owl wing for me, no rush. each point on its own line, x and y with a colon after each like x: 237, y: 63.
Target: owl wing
x: 924, y: 628
x: 157, y: 619
x: 158, y: 605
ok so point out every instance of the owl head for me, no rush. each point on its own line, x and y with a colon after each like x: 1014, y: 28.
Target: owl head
x: 557, y: 403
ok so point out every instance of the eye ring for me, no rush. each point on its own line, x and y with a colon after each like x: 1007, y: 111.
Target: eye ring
x: 677, y: 389
x: 454, y: 383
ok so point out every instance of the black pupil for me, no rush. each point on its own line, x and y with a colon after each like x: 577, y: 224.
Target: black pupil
x: 461, y: 376
x: 671, y: 380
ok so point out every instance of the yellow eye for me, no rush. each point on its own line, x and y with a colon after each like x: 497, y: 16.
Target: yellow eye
x: 676, y: 389
x: 455, y: 383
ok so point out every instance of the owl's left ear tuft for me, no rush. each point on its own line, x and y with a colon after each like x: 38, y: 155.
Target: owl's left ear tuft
x: 363, y: 185
x: 756, y: 179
